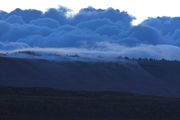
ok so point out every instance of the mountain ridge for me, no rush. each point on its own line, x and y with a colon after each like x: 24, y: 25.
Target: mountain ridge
x: 138, y: 76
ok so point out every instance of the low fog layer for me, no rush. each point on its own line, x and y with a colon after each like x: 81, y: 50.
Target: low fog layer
x: 107, y: 52
x: 93, y: 32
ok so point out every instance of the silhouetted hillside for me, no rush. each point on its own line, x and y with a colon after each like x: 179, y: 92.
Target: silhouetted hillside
x: 142, y: 76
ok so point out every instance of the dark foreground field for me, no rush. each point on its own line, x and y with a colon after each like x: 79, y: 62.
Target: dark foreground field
x: 51, y: 104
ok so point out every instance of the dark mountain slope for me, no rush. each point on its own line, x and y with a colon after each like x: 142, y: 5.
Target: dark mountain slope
x: 145, y: 77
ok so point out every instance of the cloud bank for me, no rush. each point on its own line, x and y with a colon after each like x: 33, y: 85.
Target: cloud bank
x: 153, y: 38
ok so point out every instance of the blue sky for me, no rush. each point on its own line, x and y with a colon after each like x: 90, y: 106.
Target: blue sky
x: 141, y: 9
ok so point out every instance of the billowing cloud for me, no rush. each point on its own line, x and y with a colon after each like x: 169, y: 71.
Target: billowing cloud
x: 2, y: 14
x: 45, y: 22
x: 114, y: 15
x: 54, y: 29
x: 109, y: 30
x: 73, y: 38
x: 57, y: 14
x: 14, y: 32
x: 4, y: 28
x: 27, y: 15
x: 13, y: 19
x: 94, y: 24
x: 87, y: 29
x: 145, y: 34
